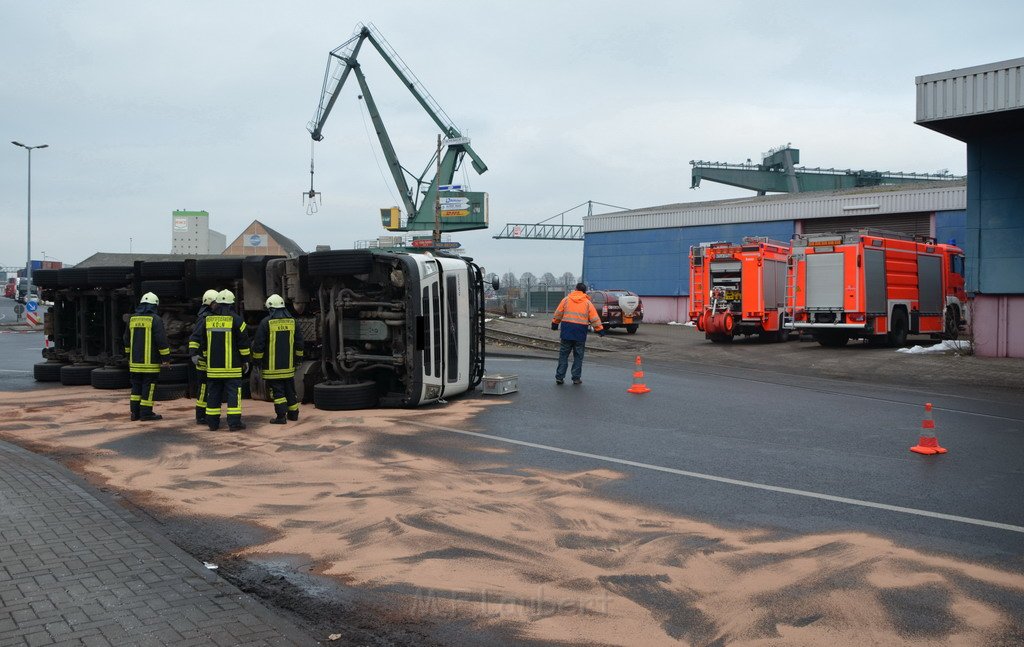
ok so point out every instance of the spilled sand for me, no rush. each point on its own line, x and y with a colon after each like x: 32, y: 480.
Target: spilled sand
x: 448, y: 529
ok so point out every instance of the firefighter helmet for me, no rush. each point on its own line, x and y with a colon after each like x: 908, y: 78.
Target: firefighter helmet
x: 209, y: 297
x: 150, y: 298
x: 274, y: 301
x: 226, y: 297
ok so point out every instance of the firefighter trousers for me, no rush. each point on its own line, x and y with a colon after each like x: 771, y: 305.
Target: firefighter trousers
x: 219, y: 390
x: 143, y: 390
x: 285, y: 400
x: 201, y: 396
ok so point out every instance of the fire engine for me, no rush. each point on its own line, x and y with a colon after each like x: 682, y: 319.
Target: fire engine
x: 874, y: 284
x: 739, y: 289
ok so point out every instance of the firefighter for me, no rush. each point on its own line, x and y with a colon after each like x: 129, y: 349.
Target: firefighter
x: 221, y: 338
x: 574, y: 313
x: 279, y: 343
x: 145, y: 344
x: 209, y: 298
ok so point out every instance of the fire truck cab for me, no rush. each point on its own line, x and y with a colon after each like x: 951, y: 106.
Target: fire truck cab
x: 874, y: 284
x: 739, y: 289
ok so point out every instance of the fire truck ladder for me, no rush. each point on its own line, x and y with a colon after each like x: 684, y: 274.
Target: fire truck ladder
x: 789, y: 314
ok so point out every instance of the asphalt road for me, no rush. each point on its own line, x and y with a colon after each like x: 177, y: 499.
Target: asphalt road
x: 814, y: 437
x: 18, y: 352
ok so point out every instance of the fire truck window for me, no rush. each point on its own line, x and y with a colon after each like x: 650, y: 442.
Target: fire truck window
x: 956, y: 264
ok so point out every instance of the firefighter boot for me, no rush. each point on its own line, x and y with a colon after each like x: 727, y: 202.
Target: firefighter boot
x: 293, y: 415
x: 200, y: 415
x: 146, y: 414
x: 134, y: 404
x: 279, y: 411
x: 235, y: 422
x: 213, y: 422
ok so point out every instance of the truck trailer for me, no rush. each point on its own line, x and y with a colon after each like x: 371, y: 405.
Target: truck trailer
x: 875, y: 284
x: 739, y: 289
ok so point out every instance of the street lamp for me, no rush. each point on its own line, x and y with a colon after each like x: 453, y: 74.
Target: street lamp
x: 28, y: 252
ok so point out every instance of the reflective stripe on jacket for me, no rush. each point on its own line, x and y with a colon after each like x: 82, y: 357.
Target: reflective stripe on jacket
x: 279, y: 342
x: 222, y: 339
x: 575, y: 313
x: 194, y: 345
x: 145, y: 341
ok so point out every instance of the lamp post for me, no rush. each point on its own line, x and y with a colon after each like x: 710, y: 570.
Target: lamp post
x: 28, y: 245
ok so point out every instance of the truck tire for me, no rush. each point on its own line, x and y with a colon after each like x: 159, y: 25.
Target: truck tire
x: 632, y: 328
x: 173, y: 374
x: 45, y: 278
x: 165, y: 288
x: 340, y: 262
x: 73, y: 277
x: 162, y: 270
x: 952, y: 323
x: 213, y: 269
x: 897, y: 335
x: 165, y: 392
x: 110, y: 276
x: 76, y: 374
x: 720, y: 338
x: 47, y: 371
x: 336, y: 396
x: 832, y: 338
x: 111, y: 378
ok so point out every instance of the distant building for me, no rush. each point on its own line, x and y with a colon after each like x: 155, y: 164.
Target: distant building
x: 258, y: 239
x: 191, y: 234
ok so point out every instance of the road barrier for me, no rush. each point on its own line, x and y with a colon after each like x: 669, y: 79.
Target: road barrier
x: 638, y: 379
x: 927, y: 443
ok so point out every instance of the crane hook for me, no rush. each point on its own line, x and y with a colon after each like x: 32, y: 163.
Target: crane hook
x: 311, y: 198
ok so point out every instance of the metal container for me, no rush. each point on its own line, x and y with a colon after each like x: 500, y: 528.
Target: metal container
x: 500, y: 384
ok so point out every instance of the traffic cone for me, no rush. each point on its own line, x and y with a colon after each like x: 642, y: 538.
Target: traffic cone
x: 638, y: 379
x: 927, y: 443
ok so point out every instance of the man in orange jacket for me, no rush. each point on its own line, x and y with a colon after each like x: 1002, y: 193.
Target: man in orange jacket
x: 575, y: 313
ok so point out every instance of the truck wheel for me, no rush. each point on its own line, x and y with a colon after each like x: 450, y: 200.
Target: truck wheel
x: 47, y: 371
x: 720, y: 338
x: 111, y: 378
x: 340, y: 262
x: 73, y: 277
x: 164, y: 392
x: 45, y: 278
x: 76, y: 374
x: 952, y: 327
x: 211, y: 269
x: 832, y: 338
x: 173, y: 374
x: 632, y: 328
x: 165, y: 288
x: 110, y: 277
x: 897, y: 336
x: 336, y: 396
x: 162, y: 270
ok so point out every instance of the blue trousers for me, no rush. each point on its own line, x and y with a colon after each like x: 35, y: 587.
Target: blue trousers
x: 576, y: 348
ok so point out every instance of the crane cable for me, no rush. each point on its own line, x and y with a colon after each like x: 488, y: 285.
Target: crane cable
x: 373, y: 149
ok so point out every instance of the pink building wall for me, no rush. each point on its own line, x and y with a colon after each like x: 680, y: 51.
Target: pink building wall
x: 998, y: 325
x: 666, y: 309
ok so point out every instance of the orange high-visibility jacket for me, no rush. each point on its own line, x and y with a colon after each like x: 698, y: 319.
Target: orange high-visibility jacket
x: 575, y: 313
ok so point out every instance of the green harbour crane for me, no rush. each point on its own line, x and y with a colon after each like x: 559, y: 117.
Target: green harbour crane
x: 434, y: 202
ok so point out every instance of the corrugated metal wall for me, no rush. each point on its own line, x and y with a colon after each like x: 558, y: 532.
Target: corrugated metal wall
x: 971, y: 91
x: 907, y: 223
x: 656, y: 262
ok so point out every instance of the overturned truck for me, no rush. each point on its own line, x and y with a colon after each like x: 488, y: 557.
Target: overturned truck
x: 382, y: 328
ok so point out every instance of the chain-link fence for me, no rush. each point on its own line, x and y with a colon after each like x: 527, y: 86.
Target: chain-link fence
x: 512, y: 302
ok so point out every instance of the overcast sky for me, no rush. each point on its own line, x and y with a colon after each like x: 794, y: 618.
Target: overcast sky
x: 153, y: 106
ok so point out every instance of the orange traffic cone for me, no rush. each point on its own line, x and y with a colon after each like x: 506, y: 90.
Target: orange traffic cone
x: 638, y: 379
x: 927, y: 443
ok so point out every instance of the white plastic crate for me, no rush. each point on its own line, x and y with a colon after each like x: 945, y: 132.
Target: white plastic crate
x: 500, y: 384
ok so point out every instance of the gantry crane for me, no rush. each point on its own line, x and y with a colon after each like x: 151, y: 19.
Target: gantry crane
x: 454, y: 208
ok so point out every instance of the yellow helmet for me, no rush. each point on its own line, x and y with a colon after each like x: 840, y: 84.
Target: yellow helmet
x: 150, y: 298
x: 209, y: 297
x: 226, y: 296
x: 274, y: 301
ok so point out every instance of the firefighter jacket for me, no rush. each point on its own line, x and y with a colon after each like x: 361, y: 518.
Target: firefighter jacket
x: 221, y: 338
x: 145, y: 341
x: 203, y: 312
x: 279, y: 343
x: 575, y: 313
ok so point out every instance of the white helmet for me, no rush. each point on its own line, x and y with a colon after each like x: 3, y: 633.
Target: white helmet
x: 226, y: 296
x: 150, y: 298
x: 274, y: 301
x: 209, y: 297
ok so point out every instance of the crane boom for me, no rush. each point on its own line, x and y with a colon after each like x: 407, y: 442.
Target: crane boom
x: 459, y: 210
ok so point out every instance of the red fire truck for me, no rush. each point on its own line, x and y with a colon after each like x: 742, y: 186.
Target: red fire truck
x: 739, y: 289
x: 878, y: 285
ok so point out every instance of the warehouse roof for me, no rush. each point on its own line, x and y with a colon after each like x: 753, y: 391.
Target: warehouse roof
x: 884, y: 199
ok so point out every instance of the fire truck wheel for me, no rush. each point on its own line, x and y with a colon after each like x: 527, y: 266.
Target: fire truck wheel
x: 898, y: 329
x: 336, y: 396
x: 833, y: 339
x: 632, y: 328
x: 952, y: 323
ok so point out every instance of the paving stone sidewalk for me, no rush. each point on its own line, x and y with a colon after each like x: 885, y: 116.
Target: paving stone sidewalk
x: 77, y: 569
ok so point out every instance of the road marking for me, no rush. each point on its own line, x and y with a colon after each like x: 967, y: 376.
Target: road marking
x: 730, y: 481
